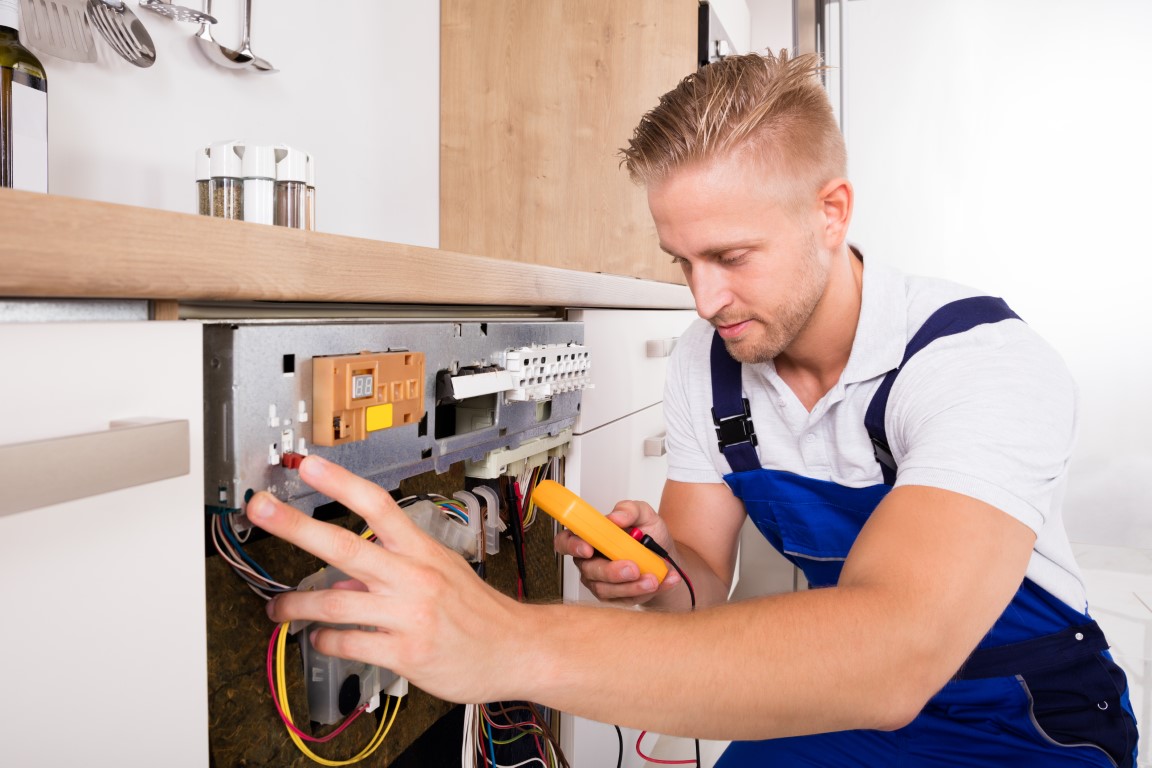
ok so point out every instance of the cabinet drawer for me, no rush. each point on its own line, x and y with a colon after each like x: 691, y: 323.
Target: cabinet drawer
x: 107, y: 587
x: 610, y: 463
x: 626, y: 374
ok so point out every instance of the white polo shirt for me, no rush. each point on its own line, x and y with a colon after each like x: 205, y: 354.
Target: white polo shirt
x: 989, y: 413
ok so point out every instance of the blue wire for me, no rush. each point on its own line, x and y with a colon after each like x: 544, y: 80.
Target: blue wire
x: 491, y: 743
x: 231, y: 536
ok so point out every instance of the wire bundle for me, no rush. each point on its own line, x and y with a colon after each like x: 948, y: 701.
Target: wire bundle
x: 484, y: 732
x: 279, y: 689
x: 451, y: 507
x: 230, y: 546
x: 527, y: 480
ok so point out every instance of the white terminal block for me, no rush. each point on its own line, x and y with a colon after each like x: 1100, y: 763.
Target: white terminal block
x: 540, y: 372
x: 513, y: 461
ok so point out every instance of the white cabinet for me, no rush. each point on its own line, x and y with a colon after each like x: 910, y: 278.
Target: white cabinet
x: 102, y: 597
x: 617, y: 454
x: 607, y: 463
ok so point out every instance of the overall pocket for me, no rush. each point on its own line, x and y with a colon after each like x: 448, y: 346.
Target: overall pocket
x: 1078, y: 704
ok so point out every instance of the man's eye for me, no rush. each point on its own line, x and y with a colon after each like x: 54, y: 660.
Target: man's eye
x: 733, y: 258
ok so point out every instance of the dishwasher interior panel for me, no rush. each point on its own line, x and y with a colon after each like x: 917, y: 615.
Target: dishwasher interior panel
x: 387, y: 400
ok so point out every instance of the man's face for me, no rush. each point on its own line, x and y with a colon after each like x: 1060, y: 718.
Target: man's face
x: 753, y: 265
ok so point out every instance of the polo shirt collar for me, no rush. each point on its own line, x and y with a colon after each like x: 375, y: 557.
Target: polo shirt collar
x: 882, y: 330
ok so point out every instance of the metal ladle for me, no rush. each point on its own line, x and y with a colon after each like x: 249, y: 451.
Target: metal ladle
x: 227, y: 57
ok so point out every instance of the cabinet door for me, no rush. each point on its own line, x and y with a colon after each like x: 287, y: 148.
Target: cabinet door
x: 102, y: 597
x: 620, y: 460
x: 605, y: 466
x: 536, y: 97
x: 629, y: 352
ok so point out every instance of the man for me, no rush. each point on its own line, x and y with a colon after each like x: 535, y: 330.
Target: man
x: 949, y: 627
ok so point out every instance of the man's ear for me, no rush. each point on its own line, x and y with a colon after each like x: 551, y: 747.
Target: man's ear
x: 836, y: 206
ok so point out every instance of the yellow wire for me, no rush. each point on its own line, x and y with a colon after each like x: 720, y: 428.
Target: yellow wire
x: 373, y: 745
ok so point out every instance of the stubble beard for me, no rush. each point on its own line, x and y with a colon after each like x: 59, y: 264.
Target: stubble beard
x: 794, y: 315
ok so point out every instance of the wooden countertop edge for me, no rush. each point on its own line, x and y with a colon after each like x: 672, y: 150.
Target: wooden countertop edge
x: 63, y: 247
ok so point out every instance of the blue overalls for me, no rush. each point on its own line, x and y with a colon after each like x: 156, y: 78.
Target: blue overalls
x: 1040, y: 691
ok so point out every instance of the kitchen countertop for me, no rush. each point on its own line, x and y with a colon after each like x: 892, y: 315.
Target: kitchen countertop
x: 57, y: 247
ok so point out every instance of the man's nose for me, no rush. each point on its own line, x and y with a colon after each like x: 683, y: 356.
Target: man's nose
x: 710, y: 291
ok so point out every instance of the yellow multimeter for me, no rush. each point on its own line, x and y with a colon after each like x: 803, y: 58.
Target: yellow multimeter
x: 606, y: 537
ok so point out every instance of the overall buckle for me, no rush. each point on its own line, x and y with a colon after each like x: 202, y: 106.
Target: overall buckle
x: 736, y: 429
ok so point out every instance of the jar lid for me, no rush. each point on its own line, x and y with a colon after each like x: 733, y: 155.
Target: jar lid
x: 203, y: 163
x: 258, y: 161
x: 309, y: 171
x: 291, y: 164
x: 225, y: 160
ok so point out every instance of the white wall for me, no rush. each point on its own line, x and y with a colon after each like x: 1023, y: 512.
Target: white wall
x: 358, y: 88
x: 1004, y: 145
x: 770, y: 24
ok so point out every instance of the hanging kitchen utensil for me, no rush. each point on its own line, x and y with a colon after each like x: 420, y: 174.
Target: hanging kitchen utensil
x: 58, y: 28
x: 216, y: 53
x: 122, y: 31
x: 177, y: 12
x: 263, y: 65
x: 227, y: 57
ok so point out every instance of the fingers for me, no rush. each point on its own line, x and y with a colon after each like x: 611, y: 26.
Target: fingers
x: 392, y: 527
x: 357, y: 557
x: 621, y: 579
x: 568, y: 543
x: 331, y: 606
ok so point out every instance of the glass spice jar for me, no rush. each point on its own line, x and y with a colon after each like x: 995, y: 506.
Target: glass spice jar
x: 291, y: 187
x: 203, y: 181
x: 227, y: 180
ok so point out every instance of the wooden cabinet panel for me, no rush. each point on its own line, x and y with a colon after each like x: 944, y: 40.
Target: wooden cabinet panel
x: 537, y: 96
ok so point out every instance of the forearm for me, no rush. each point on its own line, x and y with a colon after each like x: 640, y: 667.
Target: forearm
x: 799, y: 663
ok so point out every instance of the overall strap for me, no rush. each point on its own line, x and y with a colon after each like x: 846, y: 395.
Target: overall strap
x: 955, y: 317
x: 730, y: 411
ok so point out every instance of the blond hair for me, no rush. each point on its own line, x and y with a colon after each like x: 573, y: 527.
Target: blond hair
x: 771, y: 106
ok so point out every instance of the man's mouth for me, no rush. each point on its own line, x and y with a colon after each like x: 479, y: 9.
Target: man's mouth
x: 731, y: 330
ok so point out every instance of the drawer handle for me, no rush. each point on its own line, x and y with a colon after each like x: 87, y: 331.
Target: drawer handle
x: 655, y: 446
x: 660, y: 347
x: 129, y: 453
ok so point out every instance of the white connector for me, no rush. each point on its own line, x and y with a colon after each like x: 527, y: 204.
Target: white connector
x: 513, y: 461
x: 540, y: 372
x: 493, y: 525
x: 398, y: 689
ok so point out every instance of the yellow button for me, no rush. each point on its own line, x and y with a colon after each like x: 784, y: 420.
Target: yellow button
x: 378, y: 417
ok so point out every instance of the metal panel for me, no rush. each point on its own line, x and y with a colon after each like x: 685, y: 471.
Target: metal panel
x: 258, y: 385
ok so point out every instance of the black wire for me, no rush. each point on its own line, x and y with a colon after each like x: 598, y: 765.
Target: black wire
x: 517, y: 533
x: 684, y: 578
x: 620, y: 753
x: 651, y: 544
x: 692, y: 598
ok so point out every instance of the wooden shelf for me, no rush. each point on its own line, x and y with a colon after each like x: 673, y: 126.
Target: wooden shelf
x: 63, y: 247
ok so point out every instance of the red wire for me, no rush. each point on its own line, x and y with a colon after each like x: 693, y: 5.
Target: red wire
x: 656, y: 760
x: 520, y: 517
x: 283, y: 717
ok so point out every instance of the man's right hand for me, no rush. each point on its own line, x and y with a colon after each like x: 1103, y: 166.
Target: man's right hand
x: 620, y: 581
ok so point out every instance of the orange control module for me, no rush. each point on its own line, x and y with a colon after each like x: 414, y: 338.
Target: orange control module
x: 355, y: 395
